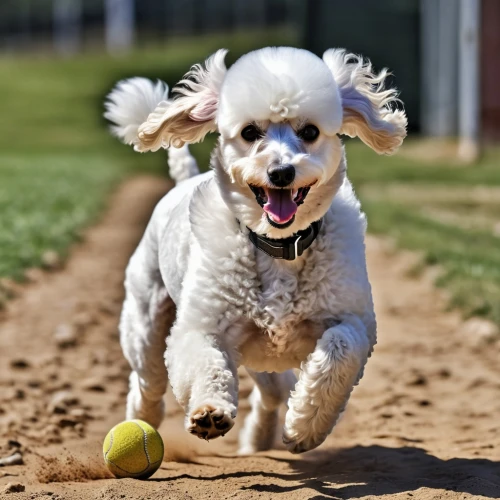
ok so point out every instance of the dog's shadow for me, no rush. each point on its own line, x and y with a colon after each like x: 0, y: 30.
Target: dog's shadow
x: 377, y: 470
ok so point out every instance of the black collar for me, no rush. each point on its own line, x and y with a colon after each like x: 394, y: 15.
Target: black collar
x: 287, y: 248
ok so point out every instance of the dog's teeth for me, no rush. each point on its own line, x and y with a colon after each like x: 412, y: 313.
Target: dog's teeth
x: 295, y: 193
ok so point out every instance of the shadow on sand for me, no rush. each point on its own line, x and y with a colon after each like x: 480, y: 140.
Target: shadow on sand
x: 377, y: 470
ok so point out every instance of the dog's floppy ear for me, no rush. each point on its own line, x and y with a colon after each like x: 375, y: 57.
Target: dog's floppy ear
x: 369, y: 110
x: 191, y: 115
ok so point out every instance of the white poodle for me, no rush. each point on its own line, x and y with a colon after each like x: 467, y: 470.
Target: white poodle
x: 259, y: 262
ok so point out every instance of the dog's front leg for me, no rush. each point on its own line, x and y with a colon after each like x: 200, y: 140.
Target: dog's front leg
x: 201, y: 353
x: 326, y: 380
x: 204, y: 380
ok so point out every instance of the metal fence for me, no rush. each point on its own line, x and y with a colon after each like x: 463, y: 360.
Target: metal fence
x: 68, y: 26
x: 443, y: 52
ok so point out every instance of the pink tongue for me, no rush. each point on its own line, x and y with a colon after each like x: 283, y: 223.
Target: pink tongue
x: 280, y: 205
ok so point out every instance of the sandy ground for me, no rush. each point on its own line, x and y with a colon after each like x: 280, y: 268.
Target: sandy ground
x: 424, y: 422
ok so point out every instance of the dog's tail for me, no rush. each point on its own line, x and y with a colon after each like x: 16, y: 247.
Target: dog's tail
x: 129, y: 105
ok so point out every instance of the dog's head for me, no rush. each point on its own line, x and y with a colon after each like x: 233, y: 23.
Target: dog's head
x: 279, y: 112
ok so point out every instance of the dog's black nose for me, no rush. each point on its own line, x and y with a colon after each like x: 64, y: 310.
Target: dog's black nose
x: 281, y: 175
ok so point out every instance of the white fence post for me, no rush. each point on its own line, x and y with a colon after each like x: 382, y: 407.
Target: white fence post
x: 67, y: 16
x: 469, y: 146
x: 439, y: 35
x: 119, y: 25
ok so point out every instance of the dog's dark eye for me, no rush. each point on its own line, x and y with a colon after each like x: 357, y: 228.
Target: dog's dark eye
x: 251, y: 133
x: 309, y: 133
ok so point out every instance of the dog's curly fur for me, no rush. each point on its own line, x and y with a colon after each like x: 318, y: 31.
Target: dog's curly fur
x: 200, y: 298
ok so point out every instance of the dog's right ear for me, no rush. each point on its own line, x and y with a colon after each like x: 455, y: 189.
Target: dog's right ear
x: 191, y: 115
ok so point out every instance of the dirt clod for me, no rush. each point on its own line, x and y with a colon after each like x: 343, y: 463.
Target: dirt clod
x: 61, y: 401
x: 94, y: 385
x: 417, y: 379
x: 65, y: 336
x: 14, y: 488
x: 14, y: 459
x: 20, y: 364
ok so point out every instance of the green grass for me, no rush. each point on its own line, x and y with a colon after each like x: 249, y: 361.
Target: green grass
x: 44, y: 203
x: 58, y: 163
x: 371, y: 168
x: 404, y: 198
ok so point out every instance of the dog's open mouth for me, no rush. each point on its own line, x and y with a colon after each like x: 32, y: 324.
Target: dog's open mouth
x: 280, y: 205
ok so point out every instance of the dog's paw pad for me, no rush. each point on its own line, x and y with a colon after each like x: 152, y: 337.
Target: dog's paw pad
x: 208, y: 422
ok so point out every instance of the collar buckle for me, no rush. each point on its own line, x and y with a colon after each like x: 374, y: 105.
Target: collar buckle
x: 295, y: 246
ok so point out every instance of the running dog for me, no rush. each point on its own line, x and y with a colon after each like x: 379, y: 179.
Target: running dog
x: 260, y: 262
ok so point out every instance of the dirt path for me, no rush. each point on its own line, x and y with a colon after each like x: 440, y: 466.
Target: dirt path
x: 424, y: 423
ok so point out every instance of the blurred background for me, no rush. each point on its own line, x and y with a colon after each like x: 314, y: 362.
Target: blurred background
x: 440, y: 195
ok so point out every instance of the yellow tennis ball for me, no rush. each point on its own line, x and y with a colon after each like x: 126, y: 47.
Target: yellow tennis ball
x: 133, y: 449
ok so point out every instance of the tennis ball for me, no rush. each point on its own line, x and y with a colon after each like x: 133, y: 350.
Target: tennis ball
x: 133, y: 449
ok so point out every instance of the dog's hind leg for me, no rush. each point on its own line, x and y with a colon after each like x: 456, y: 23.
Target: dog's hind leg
x: 147, y: 316
x: 269, y: 392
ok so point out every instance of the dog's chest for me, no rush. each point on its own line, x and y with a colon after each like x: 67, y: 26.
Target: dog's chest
x: 286, y: 319
x: 287, y: 293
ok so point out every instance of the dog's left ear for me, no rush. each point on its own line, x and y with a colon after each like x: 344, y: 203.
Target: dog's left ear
x: 369, y: 110
x: 191, y: 115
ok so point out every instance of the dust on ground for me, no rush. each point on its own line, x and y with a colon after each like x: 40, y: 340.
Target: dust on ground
x: 423, y: 423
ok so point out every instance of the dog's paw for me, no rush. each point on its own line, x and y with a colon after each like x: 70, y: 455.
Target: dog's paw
x: 295, y: 444
x: 208, y: 422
